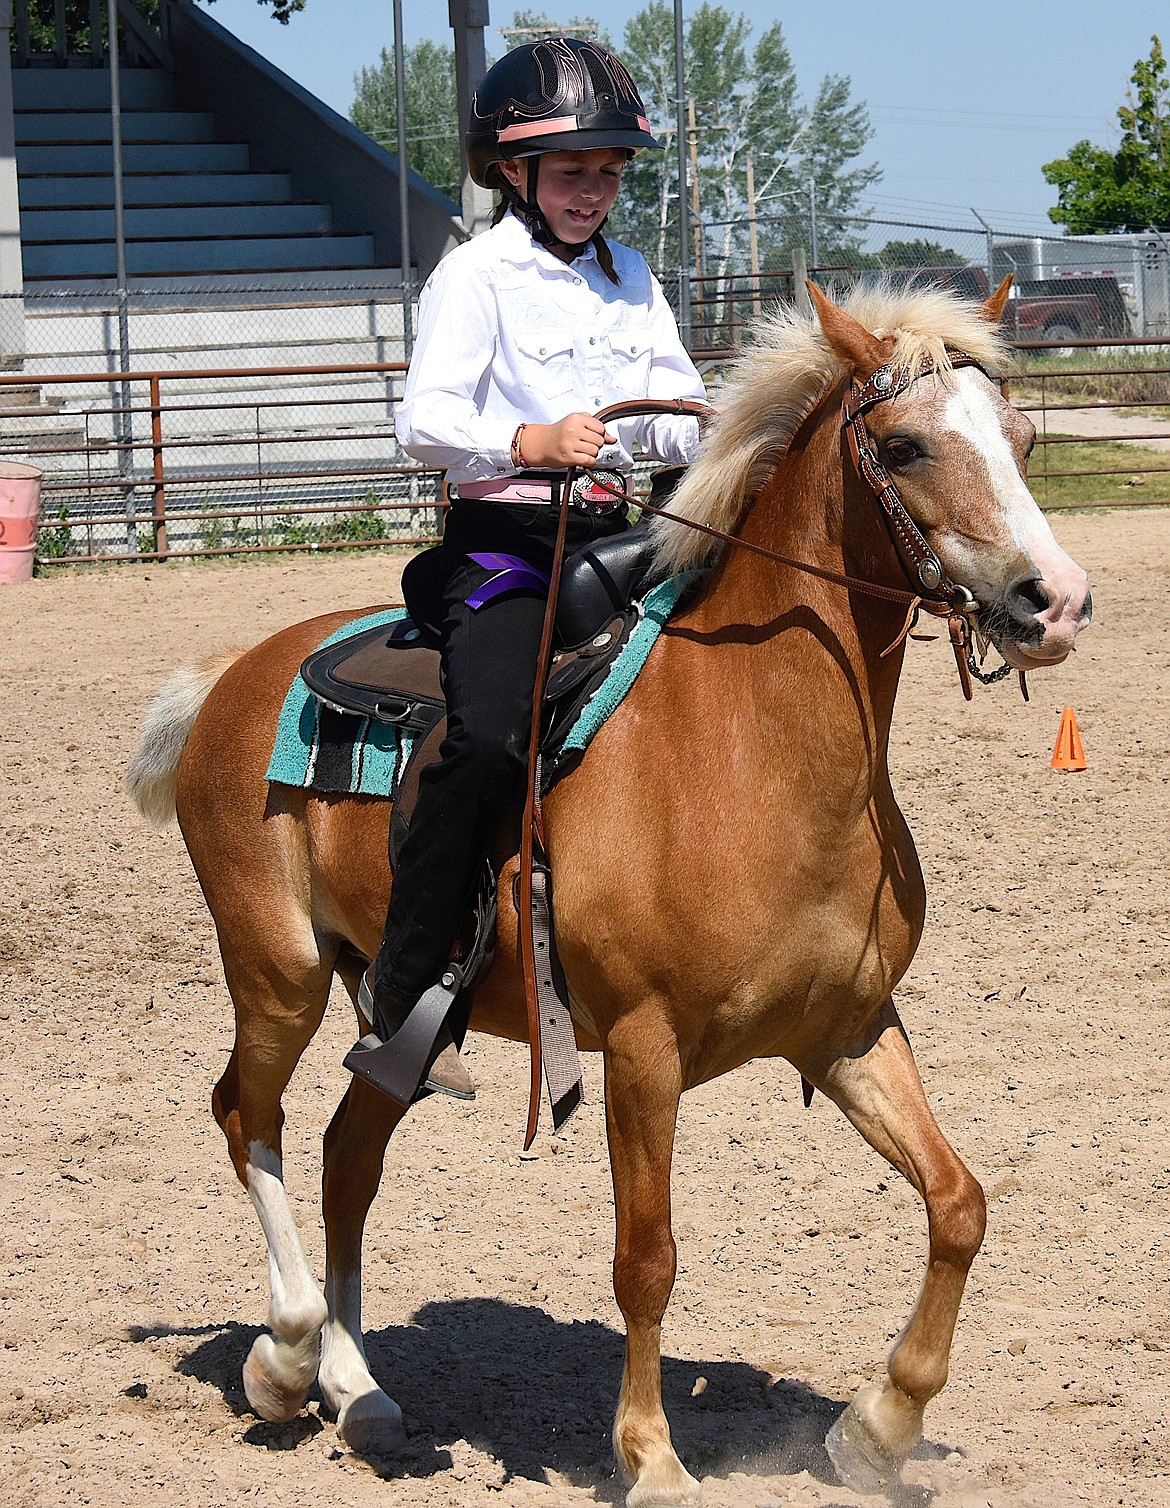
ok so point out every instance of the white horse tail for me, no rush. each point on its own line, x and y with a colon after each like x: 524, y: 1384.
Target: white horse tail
x: 154, y: 769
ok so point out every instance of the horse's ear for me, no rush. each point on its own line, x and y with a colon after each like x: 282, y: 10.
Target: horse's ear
x: 850, y: 340
x: 992, y: 308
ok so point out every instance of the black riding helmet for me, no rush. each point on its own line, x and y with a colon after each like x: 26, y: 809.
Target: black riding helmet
x: 556, y: 95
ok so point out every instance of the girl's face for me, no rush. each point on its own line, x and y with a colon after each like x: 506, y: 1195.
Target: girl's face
x: 575, y: 190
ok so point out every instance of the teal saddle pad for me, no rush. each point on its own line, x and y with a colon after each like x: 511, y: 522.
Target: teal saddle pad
x: 321, y: 749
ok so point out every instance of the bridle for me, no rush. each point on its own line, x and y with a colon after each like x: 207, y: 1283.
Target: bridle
x: 935, y: 592
x: 942, y: 596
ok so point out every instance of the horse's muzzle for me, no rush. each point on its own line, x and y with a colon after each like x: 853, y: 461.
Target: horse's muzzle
x: 1036, y: 621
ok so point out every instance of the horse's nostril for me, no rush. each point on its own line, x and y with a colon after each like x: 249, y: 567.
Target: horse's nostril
x: 1030, y: 597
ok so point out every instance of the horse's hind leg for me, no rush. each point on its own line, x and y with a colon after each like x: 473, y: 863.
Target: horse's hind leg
x: 276, y: 1015
x: 877, y: 1086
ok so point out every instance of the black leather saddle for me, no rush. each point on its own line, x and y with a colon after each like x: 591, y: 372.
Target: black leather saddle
x: 596, y: 582
x: 392, y: 674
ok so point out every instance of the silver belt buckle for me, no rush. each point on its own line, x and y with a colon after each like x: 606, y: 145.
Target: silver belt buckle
x: 599, y: 492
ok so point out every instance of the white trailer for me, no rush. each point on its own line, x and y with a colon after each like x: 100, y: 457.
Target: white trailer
x: 1139, y: 263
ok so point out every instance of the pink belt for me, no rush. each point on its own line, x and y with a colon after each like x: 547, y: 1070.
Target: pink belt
x: 587, y: 495
x: 515, y: 490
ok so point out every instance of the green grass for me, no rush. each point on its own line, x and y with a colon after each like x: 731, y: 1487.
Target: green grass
x: 1129, y: 461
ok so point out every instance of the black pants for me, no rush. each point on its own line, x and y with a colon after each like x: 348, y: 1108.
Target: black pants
x: 489, y: 671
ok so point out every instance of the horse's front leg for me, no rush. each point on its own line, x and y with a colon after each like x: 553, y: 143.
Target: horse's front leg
x: 877, y: 1086
x: 643, y: 1082
x: 368, y: 1420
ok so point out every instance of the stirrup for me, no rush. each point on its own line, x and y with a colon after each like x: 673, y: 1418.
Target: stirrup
x: 403, y: 1067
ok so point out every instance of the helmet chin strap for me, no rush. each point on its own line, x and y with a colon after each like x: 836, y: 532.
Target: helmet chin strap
x: 533, y: 216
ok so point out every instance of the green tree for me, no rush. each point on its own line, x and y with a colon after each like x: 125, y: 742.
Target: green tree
x: 1128, y: 189
x: 432, y: 134
x: 918, y: 254
x: 42, y: 23
x: 747, y: 106
x: 281, y: 9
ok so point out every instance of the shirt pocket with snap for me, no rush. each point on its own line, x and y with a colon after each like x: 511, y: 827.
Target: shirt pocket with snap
x: 631, y: 361
x: 545, y: 361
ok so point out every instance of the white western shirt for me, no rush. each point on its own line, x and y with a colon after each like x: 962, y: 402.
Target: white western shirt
x: 509, y: 334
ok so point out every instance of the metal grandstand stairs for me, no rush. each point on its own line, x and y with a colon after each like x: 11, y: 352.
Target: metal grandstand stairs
x: 195, y: 204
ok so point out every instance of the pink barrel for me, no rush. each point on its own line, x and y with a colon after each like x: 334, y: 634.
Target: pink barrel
x: 20, y: 498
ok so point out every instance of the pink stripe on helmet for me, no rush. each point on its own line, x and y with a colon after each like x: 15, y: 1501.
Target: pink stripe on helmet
x: 555, y: 127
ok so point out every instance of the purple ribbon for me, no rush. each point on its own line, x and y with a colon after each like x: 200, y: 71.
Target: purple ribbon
x: 513, y: 575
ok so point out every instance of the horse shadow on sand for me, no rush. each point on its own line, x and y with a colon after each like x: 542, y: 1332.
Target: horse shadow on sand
x: 537, y: 1395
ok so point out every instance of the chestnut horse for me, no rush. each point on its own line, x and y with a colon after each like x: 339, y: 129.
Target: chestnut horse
x: 733, y: 876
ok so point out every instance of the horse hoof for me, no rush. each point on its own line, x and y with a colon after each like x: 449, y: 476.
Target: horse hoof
x: 372, y: 1425
x: 857, y: 1457
x: 674, y: 1488
x: 268, y: 1394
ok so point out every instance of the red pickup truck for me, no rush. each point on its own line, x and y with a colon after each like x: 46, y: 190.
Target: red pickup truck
x: 1055, y: 309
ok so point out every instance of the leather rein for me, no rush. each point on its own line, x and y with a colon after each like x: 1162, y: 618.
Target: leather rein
x: 934, y: 591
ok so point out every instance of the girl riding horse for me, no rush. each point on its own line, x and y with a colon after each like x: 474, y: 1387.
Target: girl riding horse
x: 520, y: 332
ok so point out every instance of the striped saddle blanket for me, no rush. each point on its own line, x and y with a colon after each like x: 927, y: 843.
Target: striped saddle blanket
x: 320, y: 748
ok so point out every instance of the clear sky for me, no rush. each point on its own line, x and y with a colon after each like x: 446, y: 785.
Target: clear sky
x: 967, y: 100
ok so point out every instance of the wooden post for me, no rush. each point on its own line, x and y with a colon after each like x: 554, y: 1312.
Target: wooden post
x: 696, y: 209
x: 799, y: 277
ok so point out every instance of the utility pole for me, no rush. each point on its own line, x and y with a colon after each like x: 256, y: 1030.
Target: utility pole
x: 684, y: 280
x: 468, y: 19
x: 693, y: 137
x: 753, y: 236
x: 404, y: 255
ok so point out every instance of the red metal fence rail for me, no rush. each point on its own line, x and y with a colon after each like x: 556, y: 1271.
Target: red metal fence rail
x: 96, y: 481
x: 317, y: 467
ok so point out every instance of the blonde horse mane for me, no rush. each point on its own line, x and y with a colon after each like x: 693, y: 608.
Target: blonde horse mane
x: 777, y: 382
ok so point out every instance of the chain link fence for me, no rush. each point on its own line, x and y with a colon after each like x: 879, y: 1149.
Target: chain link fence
x: 221, y: 415
x: 1064, y: 287
x: 215, y: 417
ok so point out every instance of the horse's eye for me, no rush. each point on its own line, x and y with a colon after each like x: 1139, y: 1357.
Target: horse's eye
x: 900, y: 451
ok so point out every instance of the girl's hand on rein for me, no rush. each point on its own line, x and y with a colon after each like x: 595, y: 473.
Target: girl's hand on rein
x: 572, y: 441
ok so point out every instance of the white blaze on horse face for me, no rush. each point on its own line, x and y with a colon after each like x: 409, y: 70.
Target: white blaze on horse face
x: 971, y: 412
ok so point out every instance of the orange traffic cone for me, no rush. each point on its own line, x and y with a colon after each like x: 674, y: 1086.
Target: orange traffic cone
x: 1069, y: 753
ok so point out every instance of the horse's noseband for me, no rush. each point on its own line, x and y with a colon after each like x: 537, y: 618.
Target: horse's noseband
x: 941, y: 595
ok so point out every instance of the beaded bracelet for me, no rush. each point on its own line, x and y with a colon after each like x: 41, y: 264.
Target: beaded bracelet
x: 517, y: 450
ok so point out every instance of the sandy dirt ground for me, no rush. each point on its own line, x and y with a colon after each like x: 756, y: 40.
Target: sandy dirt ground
x: 131, y: 1265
